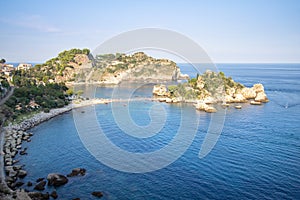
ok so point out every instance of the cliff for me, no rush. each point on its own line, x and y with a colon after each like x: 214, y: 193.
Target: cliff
x: 138, y: 67
x: 211, y: 88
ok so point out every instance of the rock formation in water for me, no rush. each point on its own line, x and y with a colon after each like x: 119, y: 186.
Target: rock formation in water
x: 210, y: 88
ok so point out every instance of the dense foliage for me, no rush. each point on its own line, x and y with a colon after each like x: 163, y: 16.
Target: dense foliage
x: 50, y: 69
x: 209, y: 83
x: 33, y: 89
x: 35, y: 98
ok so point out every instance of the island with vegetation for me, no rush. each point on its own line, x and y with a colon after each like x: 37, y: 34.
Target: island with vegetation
x: 208, y: 89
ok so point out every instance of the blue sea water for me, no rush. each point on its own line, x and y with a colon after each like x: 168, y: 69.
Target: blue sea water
x: 256, y: 157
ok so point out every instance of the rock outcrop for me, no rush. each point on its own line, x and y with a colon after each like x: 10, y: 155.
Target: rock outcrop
x: 40, y: 186
x: 160, y: 90
x: 97, y: 194
x: 56, y: 180
x: 210, y: 88
x: 77, y: 172
x: 138, y: 67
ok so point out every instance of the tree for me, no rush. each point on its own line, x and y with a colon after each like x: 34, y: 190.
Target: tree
x: 2, y: 61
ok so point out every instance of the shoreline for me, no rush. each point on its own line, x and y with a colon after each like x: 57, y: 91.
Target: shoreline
x: 17, y: 132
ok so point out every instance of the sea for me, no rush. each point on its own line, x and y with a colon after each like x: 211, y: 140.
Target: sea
x: 255, y: 156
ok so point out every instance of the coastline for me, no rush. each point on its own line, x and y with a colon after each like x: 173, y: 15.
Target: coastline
x: 17, y: 132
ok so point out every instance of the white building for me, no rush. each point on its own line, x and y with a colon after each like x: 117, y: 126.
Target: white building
x: 24, y: 66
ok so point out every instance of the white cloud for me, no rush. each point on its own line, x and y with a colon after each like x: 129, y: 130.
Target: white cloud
x: 35, y: 22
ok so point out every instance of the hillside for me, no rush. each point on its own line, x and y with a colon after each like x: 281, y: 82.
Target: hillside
x: 62, y: 68
x: 43, y: 86
x: 79, y: 66
x: 113, y: 69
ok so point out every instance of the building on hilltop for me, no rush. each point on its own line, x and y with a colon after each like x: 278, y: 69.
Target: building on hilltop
x: 7, y: 70
x: 24, y: 66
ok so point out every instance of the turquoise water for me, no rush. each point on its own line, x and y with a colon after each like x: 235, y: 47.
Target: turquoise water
x: 257, y: 155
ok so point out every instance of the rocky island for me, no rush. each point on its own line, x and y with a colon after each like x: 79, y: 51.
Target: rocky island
x: 211, y: 88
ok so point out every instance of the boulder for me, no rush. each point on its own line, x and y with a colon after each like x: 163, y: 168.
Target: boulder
x: 45, y: 196
x: 168, y: 100
x: 8, y: 168
x: 17, y: 167
x: 160, y: 90
x: 23, y: 152
x: 18, y: 184
x: 22, y: 173
x: 239, y: 98
x: 97, y: 194
x: 162, y: 99
x: 238, y: 107
x: 210, y: 109
x: 54, y: 195
x: 255, y: 103
x: 248, y: 93
x: 12, y: 173
x: 229, y: 99
x: 209, y: 100
x: 29, y: 184
x: 76, y: 172
x: 56, y: 179
x: 261, y: 97
x: 39, y: 195
x: 39, y: 180
x: 201, y: 105
x: 258, y: 88
x: 10, y: 179
x: 8, y: 163
x: 19, y: 141
x: 40, y: 186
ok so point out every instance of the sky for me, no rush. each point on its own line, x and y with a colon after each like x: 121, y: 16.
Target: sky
x: 230, y: 31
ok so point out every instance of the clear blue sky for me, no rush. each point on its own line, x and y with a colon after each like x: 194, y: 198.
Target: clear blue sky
x: 229, y: 31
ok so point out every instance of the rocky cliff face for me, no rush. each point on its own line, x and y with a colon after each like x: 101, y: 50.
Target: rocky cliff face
x: 79, y: 66
x: 113, y: 69
x: 75, y: 70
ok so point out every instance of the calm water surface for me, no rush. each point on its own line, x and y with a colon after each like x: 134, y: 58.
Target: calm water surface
x: 257, y: 155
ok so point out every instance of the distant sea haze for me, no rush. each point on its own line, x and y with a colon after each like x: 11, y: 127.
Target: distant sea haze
x: 256, y: 157
x: 15, y: 64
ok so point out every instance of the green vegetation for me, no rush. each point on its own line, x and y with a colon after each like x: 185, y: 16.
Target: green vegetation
x: 51, y: 69
x: 2, y: 61
x: 4, y: 87
x: 35, y: 89
x: 35, y: 98
x: 209, y: 83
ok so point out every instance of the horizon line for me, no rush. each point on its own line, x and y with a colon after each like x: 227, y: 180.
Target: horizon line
x: 37, y: 62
